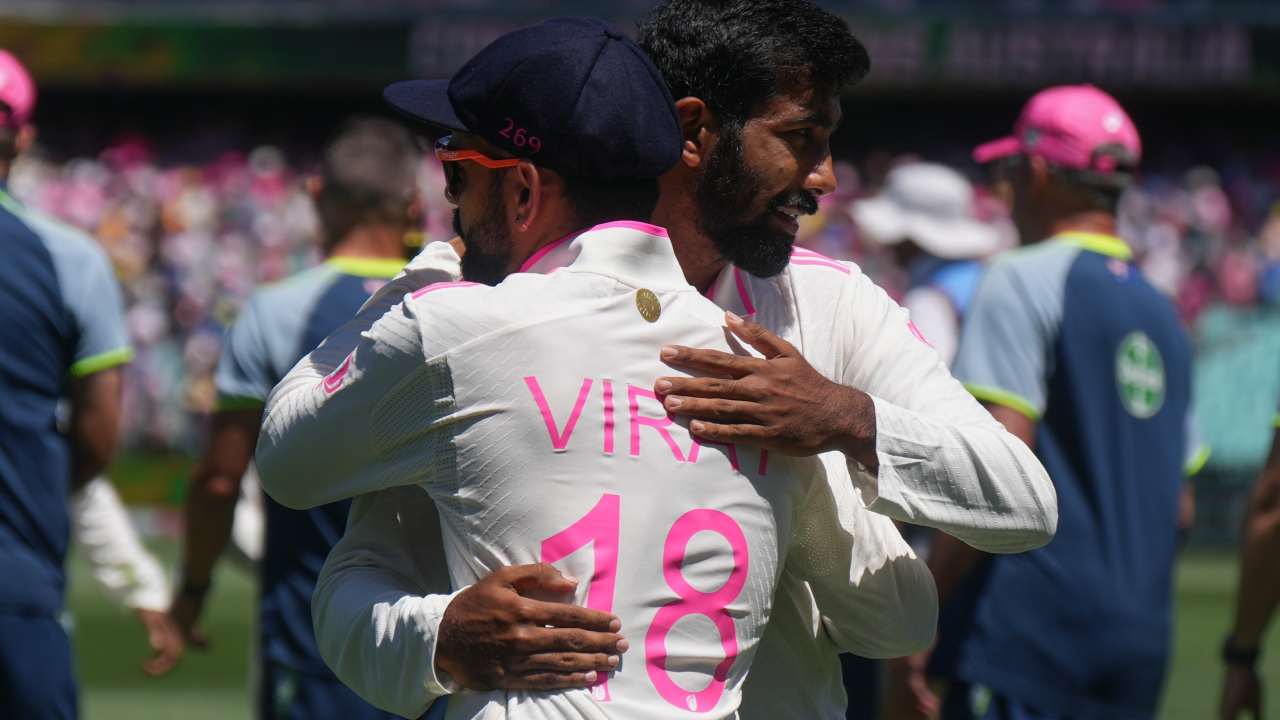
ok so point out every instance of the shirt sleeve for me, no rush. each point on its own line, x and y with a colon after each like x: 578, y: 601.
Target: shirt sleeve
x: 127, y: 572
x: 944, y: 462
x: 317, y: 441
x: 244, y: 377
x: 92, y: 295
x: 379, y: 601
x: 1004, y: 350
x: 327, y: 433
x: 1198, y: 449
x: 875, y: 597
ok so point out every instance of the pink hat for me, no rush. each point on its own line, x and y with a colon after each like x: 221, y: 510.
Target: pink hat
x: 17, y: 90
x: 1066, y: 125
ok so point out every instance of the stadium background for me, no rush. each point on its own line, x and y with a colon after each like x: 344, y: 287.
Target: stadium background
x: 178, y: 133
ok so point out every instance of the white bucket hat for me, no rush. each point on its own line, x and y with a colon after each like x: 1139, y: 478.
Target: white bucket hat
x: 928, y: 204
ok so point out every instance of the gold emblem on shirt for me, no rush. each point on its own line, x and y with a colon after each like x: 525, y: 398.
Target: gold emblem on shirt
x: 648, y: 305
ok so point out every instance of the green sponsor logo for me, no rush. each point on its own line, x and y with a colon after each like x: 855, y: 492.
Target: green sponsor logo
x: 1140, y: 375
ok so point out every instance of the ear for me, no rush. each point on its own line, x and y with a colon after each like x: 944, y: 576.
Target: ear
x: 1038, y: 173
x: 528, y: 186
x: 701, y: 128
x: 26, y: 138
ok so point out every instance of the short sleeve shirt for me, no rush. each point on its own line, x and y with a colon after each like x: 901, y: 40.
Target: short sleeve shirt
x: 1069, y: 333
x: 63, y: 318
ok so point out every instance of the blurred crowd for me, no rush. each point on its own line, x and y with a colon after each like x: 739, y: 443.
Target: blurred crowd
x: 189, y: 244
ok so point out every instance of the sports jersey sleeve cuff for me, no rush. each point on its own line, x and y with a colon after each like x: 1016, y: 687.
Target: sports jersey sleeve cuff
x: 101, y: 361
x: 986, y: 393
x: 239, y: 402
x: 438, y: 681
x: 882, y: 492
x: 1196, y: 463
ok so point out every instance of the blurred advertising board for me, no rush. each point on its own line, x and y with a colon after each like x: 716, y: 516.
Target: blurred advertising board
x: 908, y: 51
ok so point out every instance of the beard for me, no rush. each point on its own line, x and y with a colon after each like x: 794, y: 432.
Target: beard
x: 728, y: 196
x: 488, y: 257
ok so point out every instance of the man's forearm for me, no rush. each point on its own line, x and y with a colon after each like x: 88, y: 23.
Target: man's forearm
x: 1259, y: 581
x: 215, y: 489
x: 95, y: 424
x: 210, y: 514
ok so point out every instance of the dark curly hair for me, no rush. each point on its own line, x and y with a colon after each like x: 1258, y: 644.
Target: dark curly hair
x: 735, y: 54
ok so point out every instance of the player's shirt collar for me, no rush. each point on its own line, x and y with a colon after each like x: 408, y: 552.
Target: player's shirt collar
x: 1103, y: 244
x: 633, y: 252
x: 728, y: 291
x: 367, y: 267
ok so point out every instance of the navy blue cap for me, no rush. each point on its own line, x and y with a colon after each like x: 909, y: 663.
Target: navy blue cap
x: 574, y: 95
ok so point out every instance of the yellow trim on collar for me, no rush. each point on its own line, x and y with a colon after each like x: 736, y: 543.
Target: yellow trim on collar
x: 385, y: 268
x: 998, y: 396
x: 1109, y: 245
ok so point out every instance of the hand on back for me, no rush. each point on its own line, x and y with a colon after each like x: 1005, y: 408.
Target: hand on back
x: 495, y: 634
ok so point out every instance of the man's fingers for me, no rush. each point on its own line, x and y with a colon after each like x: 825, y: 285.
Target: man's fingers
x: 532, y: 640
x: 564, y: 615
x: 750, y: 434
x: 712, y: 362
x: 765, y: 342
x: 538, y: 576
x: 566, y: 663
x: 705, y: 387
x: 712, y: 409
x: 540, y: 680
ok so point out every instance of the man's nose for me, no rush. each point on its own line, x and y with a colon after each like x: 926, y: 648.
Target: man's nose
x: 821, y: 180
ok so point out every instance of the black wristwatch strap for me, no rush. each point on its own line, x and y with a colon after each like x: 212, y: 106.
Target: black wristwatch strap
x: 1236, y: 656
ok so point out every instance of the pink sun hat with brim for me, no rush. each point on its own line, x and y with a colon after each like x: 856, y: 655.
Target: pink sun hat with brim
x: 1067, y: 125
x: 17, y: 91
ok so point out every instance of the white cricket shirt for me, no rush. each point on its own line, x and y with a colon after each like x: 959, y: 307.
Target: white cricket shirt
x: 526, y: 412
x: 944, y: 462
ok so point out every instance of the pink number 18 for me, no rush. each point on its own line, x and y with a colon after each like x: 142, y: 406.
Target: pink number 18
x: 600, y: 527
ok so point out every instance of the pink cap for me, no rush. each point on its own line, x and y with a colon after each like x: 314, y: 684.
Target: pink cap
x: 1066, y: 125
x: 17, y: 90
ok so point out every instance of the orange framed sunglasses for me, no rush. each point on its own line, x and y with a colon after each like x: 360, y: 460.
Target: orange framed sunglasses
x: 447, y: 156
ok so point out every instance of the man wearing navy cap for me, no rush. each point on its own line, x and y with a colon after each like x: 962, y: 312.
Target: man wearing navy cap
x: 525, y: 412
x: 756, y: 155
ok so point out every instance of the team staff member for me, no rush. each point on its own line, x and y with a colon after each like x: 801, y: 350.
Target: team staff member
x: 1080, y: 357
x: 755, y: 154
x: 62, y: 337
x: 1258, y: 593
x: 467, y: 425
x: 366, y: 198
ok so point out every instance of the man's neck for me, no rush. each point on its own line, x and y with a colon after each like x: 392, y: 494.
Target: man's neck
x: 370, y: 241
x: 1098, y: 222
x: 697, y: 254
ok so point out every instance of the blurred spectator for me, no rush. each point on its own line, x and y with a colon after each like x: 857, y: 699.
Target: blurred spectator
x: 925, y: 215
x: 189, y: 244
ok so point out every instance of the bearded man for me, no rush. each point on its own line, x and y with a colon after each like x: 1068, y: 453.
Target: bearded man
x: 845, y: 375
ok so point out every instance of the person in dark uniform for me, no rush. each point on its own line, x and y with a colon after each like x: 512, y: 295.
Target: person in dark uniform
x: 62, y: 336
x: 366, y: 198
x: 1076, y: 353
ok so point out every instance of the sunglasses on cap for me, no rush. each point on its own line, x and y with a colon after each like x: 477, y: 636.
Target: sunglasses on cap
x: 447, y: 156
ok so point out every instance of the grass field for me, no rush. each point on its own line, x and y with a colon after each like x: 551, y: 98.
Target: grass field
x: 214, y: 685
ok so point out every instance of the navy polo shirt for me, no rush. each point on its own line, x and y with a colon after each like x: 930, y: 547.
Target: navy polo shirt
x: 1070, y: 333
x: 279, y: 325
x: 61, y: 317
